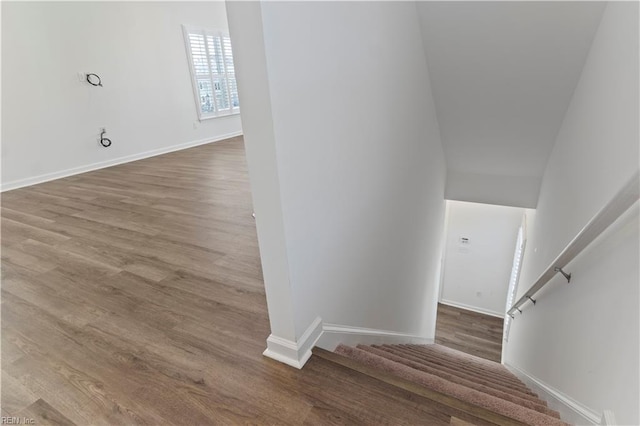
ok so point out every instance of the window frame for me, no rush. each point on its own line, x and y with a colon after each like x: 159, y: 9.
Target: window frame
x: 186, y: 30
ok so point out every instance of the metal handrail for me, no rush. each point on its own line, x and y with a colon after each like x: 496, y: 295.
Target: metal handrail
x: 619, y: 204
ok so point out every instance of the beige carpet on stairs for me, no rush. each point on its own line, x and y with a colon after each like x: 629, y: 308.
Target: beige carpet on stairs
x: 484, y: 383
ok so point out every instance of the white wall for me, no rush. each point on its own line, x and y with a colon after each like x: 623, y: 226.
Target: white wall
x: 245, y: 25
x: 518, y: 191
x: 477, y: 273
x: 360, y: 167
x: 503, y: 73
x: 582, y: 338
x: 51, y: 120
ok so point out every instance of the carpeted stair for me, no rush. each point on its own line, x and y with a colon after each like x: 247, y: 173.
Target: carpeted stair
x: 468, y: 378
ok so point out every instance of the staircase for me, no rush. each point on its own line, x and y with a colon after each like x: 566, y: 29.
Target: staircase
x: 482, y: 388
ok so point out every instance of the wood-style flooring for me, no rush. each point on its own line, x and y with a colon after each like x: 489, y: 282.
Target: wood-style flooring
x: 470, y: 332
x: 134, y: 295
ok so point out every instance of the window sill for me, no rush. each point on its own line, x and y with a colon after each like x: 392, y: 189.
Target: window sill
x: 211, y: 117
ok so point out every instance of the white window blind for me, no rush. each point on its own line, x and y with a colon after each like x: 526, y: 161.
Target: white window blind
x: 513, y: 282
x: 212, y: 71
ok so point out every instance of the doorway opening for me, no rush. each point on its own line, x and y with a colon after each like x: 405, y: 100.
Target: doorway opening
x: 478, y: 276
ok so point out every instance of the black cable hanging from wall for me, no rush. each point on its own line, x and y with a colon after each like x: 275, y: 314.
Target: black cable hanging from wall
x: 95, y: 80
x: 106, y: 142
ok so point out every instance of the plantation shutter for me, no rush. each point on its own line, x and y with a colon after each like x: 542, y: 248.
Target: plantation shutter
x: 213, y: 72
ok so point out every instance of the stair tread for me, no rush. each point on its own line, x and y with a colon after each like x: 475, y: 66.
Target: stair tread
x: 456, y: 368
x: 521, y: 409
x: 455, y: 354
x: 504, y: 393
x: 470, y: 362
x: 447, y: 365
x: 439, y: 397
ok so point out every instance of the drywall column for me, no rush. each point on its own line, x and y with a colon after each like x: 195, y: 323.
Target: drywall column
x: 245, y: 26
x: 361, y: 180
x: 346, y: 163
x: 581, y: 340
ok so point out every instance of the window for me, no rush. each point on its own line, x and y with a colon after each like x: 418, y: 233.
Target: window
x: 515, y: 277
x: 213, y: 75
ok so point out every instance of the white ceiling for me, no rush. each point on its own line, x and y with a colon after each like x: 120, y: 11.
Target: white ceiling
x: 503, y: 74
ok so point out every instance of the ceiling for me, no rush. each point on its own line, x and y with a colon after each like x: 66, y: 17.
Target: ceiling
x: 502, y: 75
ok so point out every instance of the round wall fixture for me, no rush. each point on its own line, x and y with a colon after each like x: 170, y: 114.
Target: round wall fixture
x: 94, y: 80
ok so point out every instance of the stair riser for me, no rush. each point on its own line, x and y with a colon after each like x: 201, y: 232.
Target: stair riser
x: 438, y: 384
x: 534, y: 404
x: 477, y: 362
x: 445, y: 360
x: 452, y: 366
x: 470, y: 411
x: 438, y: 370
x: 499, y: 372
x: 449, y: 353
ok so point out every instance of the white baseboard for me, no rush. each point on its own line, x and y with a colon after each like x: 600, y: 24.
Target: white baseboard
x: 335, y: 334
x: 295, y: 354
x: 570, y: 410
x: 20, y: 183
x: 472, y: 308
x: 329, y: 336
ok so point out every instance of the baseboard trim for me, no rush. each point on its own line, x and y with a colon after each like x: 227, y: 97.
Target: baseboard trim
x: 329, y: 336
x: 570, y: 410
x: 472, y: 308
x: 295, y: 354
x: 335, y: 334
x: 21, y: 183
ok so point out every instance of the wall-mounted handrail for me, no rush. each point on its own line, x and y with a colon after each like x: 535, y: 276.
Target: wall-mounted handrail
x: 619, y: 204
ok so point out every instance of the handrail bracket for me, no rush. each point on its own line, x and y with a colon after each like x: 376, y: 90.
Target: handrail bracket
x: 567, y: 276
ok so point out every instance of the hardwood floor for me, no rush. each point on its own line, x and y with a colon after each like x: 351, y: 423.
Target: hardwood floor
x: 470, y: 332
x: 134, y: 295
